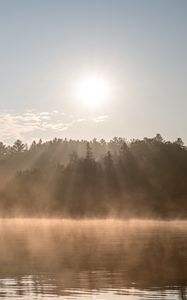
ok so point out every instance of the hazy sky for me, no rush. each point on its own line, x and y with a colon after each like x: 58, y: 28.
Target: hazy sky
x: 138, y: 47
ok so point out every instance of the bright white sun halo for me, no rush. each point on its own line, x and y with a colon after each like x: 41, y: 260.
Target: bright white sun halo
x: 93, y: 91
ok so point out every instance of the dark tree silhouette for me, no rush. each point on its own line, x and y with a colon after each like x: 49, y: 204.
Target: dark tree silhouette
x: 72, y: 178
x: 18, y: 147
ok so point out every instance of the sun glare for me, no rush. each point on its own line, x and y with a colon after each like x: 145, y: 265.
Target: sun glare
x: 93, y: 91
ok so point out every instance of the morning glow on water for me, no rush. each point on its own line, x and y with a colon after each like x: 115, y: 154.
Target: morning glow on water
x: 93, y: 259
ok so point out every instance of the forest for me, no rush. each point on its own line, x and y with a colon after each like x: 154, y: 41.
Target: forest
x: 97, y: 179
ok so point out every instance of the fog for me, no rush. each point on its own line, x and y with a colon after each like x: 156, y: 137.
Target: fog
x: 97, y: 179
x: 88, y: 255
x: 148, y: 252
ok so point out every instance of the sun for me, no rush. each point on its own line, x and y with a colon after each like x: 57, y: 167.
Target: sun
x: 93, y: 91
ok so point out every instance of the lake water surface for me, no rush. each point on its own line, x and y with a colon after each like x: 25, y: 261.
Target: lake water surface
x: 110, y: 259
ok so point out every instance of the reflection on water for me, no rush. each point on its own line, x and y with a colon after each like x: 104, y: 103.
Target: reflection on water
x: 93, y: 259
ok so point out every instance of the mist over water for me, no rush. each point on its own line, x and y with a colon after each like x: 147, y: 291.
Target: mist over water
x: 93, y: 259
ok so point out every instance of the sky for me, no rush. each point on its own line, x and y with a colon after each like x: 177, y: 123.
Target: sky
x: 139, y: 47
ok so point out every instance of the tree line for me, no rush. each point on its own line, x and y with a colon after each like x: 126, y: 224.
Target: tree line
x: 75, y: 178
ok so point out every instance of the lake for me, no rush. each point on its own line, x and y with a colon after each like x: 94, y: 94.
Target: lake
x: 93, y: 259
